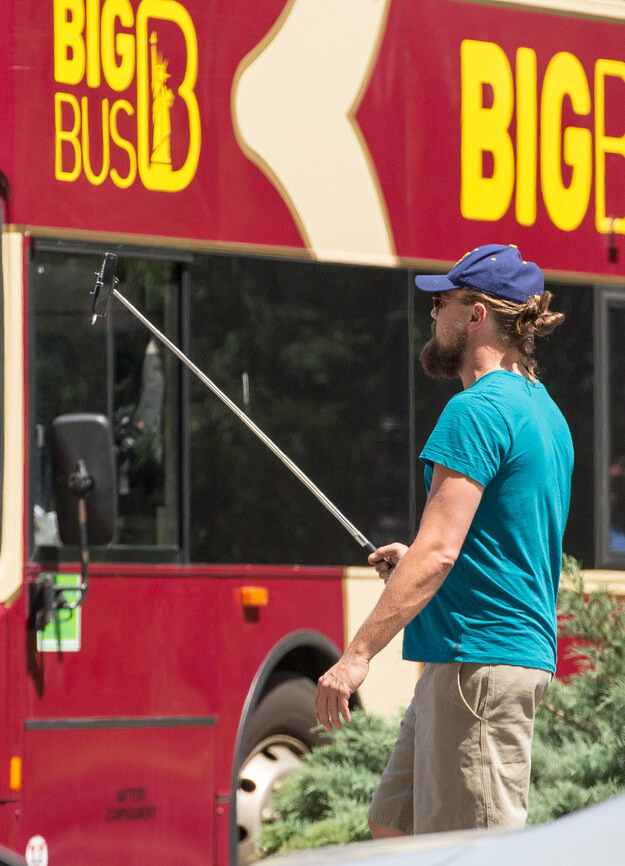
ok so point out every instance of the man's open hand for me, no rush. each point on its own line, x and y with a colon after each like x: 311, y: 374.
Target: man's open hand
x: 335, y: 688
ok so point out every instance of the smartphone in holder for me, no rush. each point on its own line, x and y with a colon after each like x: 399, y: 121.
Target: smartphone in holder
x: 104, y: 285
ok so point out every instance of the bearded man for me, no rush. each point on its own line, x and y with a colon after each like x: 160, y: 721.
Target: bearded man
x: 476, y: 590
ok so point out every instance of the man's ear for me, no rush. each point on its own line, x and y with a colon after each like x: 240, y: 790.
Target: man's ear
x: 478, y: 315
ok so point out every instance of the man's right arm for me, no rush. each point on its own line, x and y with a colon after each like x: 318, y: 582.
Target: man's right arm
x: 420, y: 571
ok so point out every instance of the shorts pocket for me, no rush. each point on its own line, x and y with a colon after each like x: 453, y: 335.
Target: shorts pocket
x: 473, y: 685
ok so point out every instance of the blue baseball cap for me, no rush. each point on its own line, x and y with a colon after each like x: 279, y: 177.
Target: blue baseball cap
x: 494, y: 269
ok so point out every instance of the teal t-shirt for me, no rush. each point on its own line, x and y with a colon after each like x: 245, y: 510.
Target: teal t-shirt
x: 498, y: 602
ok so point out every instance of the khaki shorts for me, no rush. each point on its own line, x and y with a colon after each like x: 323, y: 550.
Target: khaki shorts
x: 463, y: 755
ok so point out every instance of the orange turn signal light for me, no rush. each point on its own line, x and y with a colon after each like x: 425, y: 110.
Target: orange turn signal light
x: 15, y: 774
x: 254, y: 596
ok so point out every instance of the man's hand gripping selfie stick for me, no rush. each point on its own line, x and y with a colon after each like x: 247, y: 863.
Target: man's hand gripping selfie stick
x: 105, y: 286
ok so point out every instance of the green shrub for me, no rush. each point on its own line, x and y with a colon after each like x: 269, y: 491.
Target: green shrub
x: 325, y: 802
x: 579, y: 738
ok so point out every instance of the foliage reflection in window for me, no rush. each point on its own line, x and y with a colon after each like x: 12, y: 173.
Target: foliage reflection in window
x: 115, y: 368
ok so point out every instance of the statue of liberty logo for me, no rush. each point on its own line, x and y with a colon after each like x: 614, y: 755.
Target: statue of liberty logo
x: 162, y: 100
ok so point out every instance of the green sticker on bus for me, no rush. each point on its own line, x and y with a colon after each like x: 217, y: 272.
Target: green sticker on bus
x: 62, y: 633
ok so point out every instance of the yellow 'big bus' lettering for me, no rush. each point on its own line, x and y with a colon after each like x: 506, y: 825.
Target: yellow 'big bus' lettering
x: 94, y: 40
x: 73, y: 150
x: 486, y: 125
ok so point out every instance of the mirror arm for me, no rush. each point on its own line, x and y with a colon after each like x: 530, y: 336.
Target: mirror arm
x: 80, y: 483
x: 49, y: 597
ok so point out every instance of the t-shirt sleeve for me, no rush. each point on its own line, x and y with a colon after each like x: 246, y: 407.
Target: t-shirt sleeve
x: 471, y: 437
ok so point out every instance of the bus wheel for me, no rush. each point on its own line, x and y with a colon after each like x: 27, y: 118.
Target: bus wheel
x: 278, y: 735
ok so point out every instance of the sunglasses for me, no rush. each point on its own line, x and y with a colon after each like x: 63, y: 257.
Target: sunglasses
x: 439, y: 301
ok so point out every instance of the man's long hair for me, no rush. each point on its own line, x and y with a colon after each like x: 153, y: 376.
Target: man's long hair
x: 518, y: 325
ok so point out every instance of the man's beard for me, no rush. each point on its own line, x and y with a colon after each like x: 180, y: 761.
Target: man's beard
x: 444, y: 362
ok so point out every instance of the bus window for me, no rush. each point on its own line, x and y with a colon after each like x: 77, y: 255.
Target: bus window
x: 617, y: 504
x: 615, y: 373
x: 317, y: 355
x: 610, y: 425
x: 566, y: 366
x: 114, y: 367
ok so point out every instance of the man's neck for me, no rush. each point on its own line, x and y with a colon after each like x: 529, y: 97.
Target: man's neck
x: 486, y: 361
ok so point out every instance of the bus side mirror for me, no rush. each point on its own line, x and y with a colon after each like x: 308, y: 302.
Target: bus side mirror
x: 85, y: 495
x: 84, y: 464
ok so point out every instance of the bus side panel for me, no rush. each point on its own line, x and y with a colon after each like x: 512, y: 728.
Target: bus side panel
x: 129, y: 741
x: 246, y: 636
x: 13, y: 691
x: 168, y: 641
x: 121, y: 795
x: 6, y: 796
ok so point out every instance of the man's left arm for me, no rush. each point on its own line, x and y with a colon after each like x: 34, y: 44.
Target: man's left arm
x: 417, y: 576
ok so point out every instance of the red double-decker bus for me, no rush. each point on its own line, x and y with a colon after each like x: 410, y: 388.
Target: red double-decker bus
x: 270, y: 178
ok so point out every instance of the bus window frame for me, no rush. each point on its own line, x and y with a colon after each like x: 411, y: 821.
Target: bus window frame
x: 140, y: 553
x: 605, y: 297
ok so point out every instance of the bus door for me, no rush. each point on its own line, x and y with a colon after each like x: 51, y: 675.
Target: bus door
x: 119, y: 739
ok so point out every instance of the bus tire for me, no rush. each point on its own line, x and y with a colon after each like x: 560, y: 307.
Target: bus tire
x: 278, y: 735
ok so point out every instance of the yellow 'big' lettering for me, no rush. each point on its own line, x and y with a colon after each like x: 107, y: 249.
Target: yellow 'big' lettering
x: 490, y: 104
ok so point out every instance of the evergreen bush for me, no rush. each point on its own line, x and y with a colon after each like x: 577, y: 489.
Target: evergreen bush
x: 325, y: 802
x: 578, y: 756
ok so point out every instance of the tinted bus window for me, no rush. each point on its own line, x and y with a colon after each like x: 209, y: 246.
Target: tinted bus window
x: 610, y: 426
x: 566, y: 368
x: 317, y: 355
x: 616, y: 415
x: 115, y: 368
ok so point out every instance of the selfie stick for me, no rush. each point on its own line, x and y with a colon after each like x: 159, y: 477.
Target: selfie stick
x: 105, y: 286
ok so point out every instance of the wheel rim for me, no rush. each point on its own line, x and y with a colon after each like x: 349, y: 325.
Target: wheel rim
x: 262, y: 774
